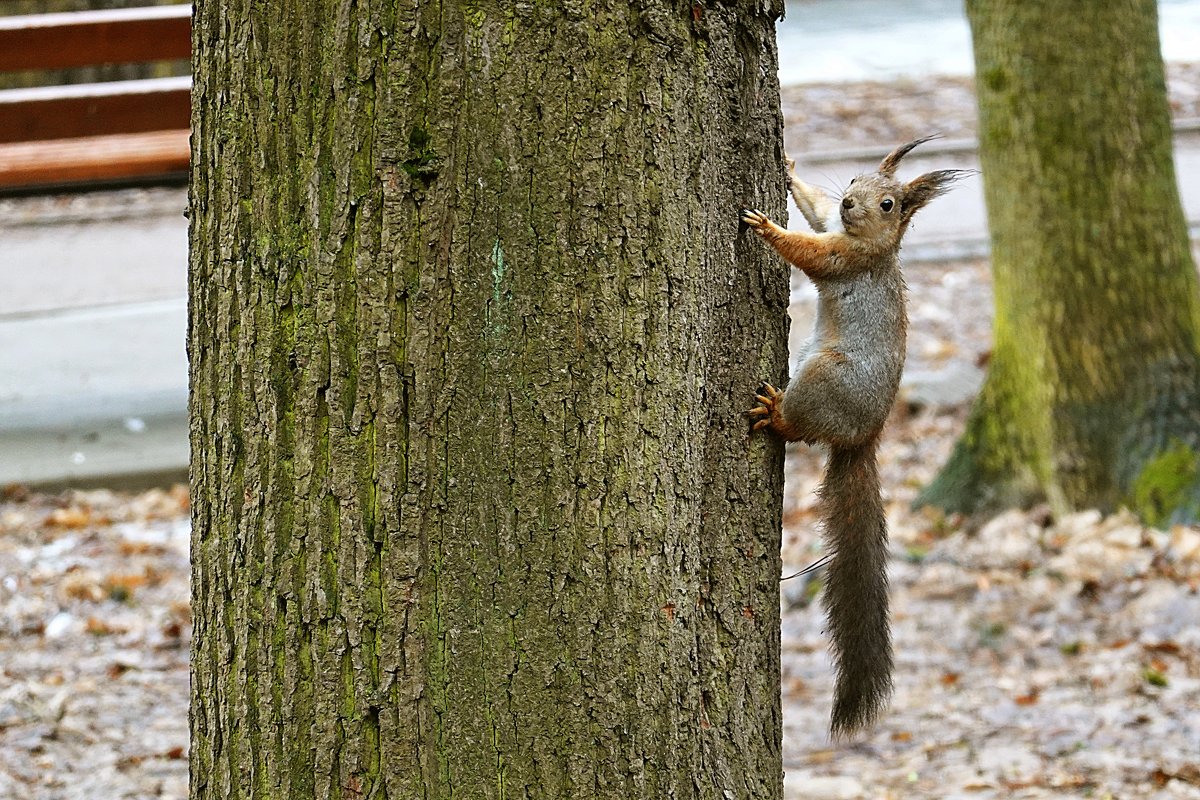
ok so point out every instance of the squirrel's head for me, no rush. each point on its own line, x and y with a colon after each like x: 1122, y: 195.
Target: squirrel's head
x: 876, y: 208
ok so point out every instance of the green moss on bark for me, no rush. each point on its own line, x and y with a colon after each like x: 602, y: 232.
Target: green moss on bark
x: 1166, y: 487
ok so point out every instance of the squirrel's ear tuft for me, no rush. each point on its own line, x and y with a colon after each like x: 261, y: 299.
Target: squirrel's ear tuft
x: 892, y: 160
x: 919, y: 191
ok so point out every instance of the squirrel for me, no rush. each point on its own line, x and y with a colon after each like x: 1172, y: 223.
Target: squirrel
x: 841, y: 394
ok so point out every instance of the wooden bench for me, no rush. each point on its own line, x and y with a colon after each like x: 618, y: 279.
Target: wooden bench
x: 120, y: 131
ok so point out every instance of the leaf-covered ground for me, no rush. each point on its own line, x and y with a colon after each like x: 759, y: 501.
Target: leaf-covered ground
x: 94, y: 645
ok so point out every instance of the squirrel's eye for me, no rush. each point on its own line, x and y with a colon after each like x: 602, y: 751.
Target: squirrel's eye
x: 886, y: 205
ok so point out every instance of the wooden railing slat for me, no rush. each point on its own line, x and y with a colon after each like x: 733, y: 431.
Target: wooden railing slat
x: 94, y: 159
x: 86, y: 38
x: 64, y: 112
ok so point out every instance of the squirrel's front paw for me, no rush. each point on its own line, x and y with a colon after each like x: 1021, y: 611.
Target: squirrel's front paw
x: 755, y: 219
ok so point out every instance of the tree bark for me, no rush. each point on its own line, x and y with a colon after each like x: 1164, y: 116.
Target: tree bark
x: 472, y: 332
x: 1093, y: 389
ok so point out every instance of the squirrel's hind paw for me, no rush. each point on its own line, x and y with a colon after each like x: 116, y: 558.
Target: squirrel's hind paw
x: 766, y: 407
x: 770, y: 409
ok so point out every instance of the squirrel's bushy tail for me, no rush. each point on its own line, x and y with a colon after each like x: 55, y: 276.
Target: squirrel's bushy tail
x: 856, y: 598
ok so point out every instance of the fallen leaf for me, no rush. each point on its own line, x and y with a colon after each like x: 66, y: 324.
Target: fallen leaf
x: 98, y: 627
x: 128, y: 548
x: 121, y: 587
x: 1154, y: 677
x: 69, y: 518
x: 14, y: 493
x: 82, y: 585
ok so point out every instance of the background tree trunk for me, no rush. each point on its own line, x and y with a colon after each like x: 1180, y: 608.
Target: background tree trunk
x: 472, y: 334
x: 1093, y: 393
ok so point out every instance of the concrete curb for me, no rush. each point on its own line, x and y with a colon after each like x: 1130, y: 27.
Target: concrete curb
x: 119, y: 442
x: 94, y: 395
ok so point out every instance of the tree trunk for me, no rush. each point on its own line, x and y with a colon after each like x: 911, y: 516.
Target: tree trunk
x: 1094, y: 384
x: 472, y: 333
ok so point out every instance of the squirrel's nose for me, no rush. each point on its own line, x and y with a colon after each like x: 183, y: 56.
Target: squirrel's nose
x: 847, y: 202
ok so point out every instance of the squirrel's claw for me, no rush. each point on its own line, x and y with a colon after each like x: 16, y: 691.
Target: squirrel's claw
x: 772, y: 393
x: 755, y: 219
